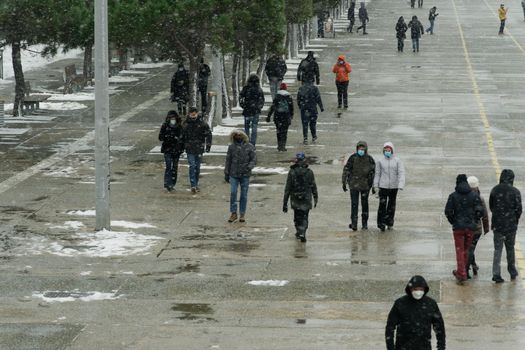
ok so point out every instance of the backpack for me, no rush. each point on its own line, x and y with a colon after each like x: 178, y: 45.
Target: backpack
x: 282, y: 106
x: 299, y: 186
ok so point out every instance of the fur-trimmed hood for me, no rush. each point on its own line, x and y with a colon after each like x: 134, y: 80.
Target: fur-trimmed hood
x: 245, y: 138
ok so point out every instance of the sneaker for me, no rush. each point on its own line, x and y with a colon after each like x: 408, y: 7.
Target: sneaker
x: 475, y: 269
x: 345, y: 107
x: 364, y: 227
x: 297, y: 235
x: 390, y: 227
x: 198, y: 189
x: 459, y: 279
x: 233, y: 217
x: 353, y: 227
x: 513, y: 277
x: 314, y: 139
x: 498, y: 279
x: 194, y: 190
x: 305, y: 141
x: 382, y: 228
x: 170, y: 189
x: 338, y: 106
x: 241, y: 218
x: 303, y: 239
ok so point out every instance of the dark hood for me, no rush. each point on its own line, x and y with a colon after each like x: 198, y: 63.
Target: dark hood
x: 253, y: 80
x: 362, y: 144
x: 299, y: 164
x: 463, y: 187
x: 416, y: 281
x: 461, y: 178
x: 506, y: 177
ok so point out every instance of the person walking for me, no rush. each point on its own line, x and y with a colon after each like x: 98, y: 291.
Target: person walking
x: 180, y: 88
x: 481, y: 227
x: 463, y: 211
x: 172, y: 147
x: 251, y: 100
x: 308, y: 71
x: 419, y: 3
x: 240, y: 160
x: 308, y: 98
x: 505, y: 205
x: 300, y: 189
x: 412, y: 3
x: 401, y: 29
x: 351, y: 16
x: 197, y: 138
x: 342, y: 71
x: 358, y: 174
x: 389, y: 178
x: 416, y: 31
x: 282, y: 111
x: 202, y: 84
x: 275, y: 70
x: 502, y: 14
x: 363, y: 17
x: 432, y: 15
x: 412, y: 317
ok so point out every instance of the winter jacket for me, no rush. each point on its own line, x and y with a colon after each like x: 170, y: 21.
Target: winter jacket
x: 464, y: 208
x: 502, y: 13
x: 276, y: 67
x: 196, y: 134
x: 390, y: 172
x: 308, y: 71
x: 251, y: 98
x: 523, y: 3
x: 401, y: 29
x: 351, y: 12
x: 180, y: 86
x: 416, y: 29
x: 359, y: 171
x: 308, y: 98
x: 171, y: 137
x: 412, y: 321
x: 300, y: 187
x: 203, y: 75
x: 281, y: 97
x: 363, y: 13
x: 342, y: 71
x: 483, y: 224
x: 432, y: 14
x: 241, y: 158
x: 505, y: 204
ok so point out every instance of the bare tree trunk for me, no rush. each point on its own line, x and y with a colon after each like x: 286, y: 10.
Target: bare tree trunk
x: 235, y: 80
x: 194, y: 69
x: 226, y: 107
x: 300, y: 42
x: 19, y: 79
x: 287, y: 41
x: 306, y: 36
x: 293, y: 41
x: 123, y: 58
x: 262, y: 63
x: 245, y: 65
x: 87, y: 72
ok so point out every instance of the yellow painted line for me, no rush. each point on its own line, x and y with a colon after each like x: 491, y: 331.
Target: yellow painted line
x: 485, y: 121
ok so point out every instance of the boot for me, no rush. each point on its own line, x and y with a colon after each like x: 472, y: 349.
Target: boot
x: 233, y: 217
x: 241, y: 218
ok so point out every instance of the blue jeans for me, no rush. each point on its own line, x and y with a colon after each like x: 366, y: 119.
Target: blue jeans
x: 172, y: 165
x: 274, y: 86
x: 251, y: 122
x: 431, y: 28
x: 244, y: 182
x: 194, y: 161
x: 309, y: 118
x: 415, y: 44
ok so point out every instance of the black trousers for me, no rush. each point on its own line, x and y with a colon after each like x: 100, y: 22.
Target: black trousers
x: 400, y: 44
x: 351, y: 25
x: 342, y: 93
x: 387, y: 207
x: 363, y: 25
x: 502, y: 26
x: 419, y: 3
x: 471, y: 256
x: 203, y: 89
x: 282, y: 134
x: 300, y: 219
x: 354, y: 198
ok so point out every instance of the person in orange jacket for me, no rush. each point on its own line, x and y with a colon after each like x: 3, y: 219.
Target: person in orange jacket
x: 342, y: 71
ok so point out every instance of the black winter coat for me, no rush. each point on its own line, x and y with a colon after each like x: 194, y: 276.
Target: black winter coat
x: 300, y: 174
x: 308, y: 71
x: 416, y: 29
x: 464, y: 208
x: 240, y: 159
x: 276, y: 67
x: 278, y: 117
x: 363, y: 14
x: 401, y: 29
x: 505, y: 204
x: 180, y: 86
x: 196, y: 134
x: 412, y: 321
x: 251, y: 100
x: 359, y: 171
x: 203, y: 75
x: 308, y: 98
x: 351, y: 12
x: 171, y: 137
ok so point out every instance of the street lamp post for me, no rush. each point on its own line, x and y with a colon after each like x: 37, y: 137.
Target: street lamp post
x: 102, y: 171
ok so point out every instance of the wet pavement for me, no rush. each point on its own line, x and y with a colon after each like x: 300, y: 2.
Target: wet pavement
x: 190, y: 280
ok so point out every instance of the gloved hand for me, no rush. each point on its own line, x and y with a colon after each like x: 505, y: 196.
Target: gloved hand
x: 373, y: 190
x: 315, y: 203
x: 322, y: 109
x: 208, y: 148
x: 268, y: 119
x: 227, y: 178
x: 344, y: 188
x: 285, y: 208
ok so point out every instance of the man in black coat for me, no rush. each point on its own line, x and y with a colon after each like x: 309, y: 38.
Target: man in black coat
x: 464, y: 209
x: 202, y: 84
x: 363, y: 17
x: 282, y: 111
x: 412, y: 318
x: 180, y: 88
x: 197, y: 138
x: 275, y: 70
x: 308, y: 71
x: 505, y: 205
x: 172, y: 147
x: 251, y: 99
x: 416, y: 31
x: 308, y: 98
x: 351, y: 16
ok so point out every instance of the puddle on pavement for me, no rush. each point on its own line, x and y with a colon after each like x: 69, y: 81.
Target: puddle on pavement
x: 194, y: 312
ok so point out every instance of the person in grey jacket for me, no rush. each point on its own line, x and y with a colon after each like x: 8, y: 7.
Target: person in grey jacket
x: 388, y: 179
x: 240, y: 160
x: 308, y: 98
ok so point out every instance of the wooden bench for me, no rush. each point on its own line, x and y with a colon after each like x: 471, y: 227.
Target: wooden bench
x: 32, y: 102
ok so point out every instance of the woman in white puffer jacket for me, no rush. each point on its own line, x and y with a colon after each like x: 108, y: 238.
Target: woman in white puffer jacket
x: 389, y: 178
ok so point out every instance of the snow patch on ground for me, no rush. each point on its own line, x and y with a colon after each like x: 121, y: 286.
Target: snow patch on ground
x: 79, y: 96
x: 139, y: 72
x: 89, y: 212
x: 61, y: 106
x: 74, y: 296
x: 70, y: 225
x: 61, y: 172
x: 220, y: 130
x: 128, y: 224
x: 119, y: 79
x: 86, y: 273
x: 262, y: 170
x: 149, y: 65
x: 269, y: 283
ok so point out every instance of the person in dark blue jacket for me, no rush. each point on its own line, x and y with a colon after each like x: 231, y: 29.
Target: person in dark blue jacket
x: 172, y: 147
x: 308, y: 98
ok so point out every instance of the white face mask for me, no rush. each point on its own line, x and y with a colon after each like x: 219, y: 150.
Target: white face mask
x: 173, y: 122
x: 418, y: 294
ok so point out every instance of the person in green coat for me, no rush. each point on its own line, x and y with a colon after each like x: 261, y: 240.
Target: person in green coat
x: 300, y: 188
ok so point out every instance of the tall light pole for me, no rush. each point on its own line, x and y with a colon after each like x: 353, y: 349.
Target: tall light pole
x: 102, y: 116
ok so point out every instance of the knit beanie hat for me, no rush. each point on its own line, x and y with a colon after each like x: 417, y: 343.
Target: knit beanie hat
x: 473, y: 181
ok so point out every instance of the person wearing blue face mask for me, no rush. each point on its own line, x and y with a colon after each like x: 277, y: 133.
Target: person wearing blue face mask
x: 389, y: 178
x: 358, y: 174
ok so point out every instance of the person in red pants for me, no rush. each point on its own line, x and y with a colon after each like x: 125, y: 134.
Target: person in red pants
x: 464, y: 209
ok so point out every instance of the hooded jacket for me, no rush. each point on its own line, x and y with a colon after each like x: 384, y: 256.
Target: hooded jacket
x: 276, y: 67
x: 359, y: 171
x: 502, y: 13
x: 300, y: 174
x: 251, y: 98
x: 412, y: 321
x: 416, y: 28
x: 196, y: 134
x: 309, y: 97
x: 351, y: 12
x: 282, y: 96
x: 363, y: 13
x: 483, y: 224
x: 203, y: 75
x: 390, y: 172
x: 343, y: 70
x: 241, y: 157
x: 464, y: 208
x: 308, y: 71
x: 180, y: 85
x: 505, y: 204
x: 401, y: 29
x: 171, y: 137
